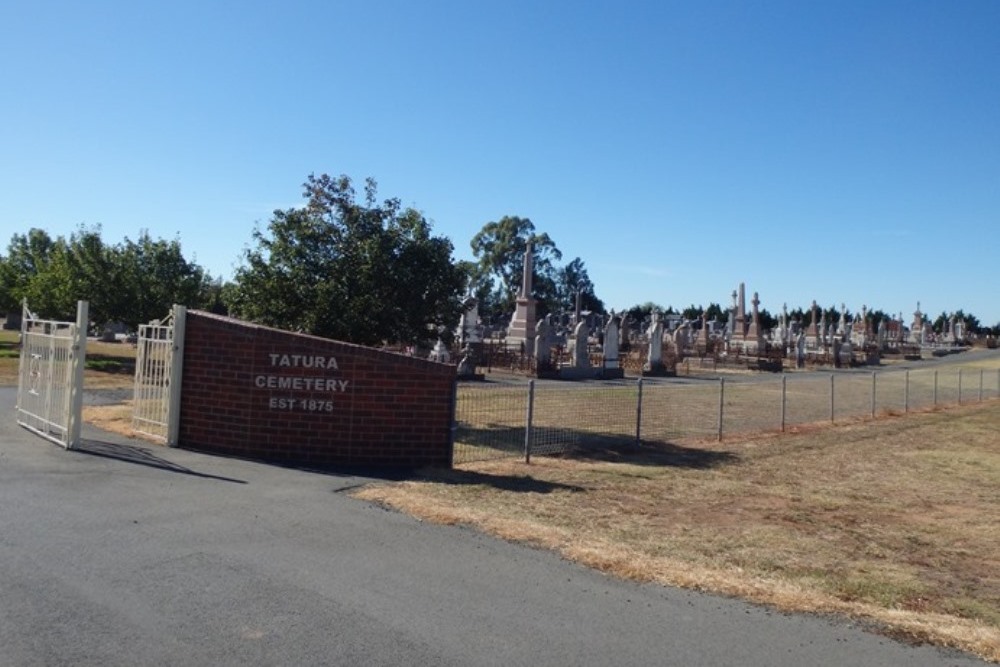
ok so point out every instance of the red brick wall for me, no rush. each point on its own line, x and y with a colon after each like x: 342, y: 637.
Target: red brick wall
x: 246, y: 393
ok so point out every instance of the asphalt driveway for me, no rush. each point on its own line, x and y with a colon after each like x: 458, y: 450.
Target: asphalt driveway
x: 126, y: 553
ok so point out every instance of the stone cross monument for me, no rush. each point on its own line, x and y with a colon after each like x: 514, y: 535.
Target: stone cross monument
x: 754, y: 335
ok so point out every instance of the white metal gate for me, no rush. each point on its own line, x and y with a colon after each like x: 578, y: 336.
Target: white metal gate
x: 158, y: 367
x: 50, y: 376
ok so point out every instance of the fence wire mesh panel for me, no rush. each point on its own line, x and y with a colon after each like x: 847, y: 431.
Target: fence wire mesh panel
x: 948, y: 385
x: 157, y: 376
x: 807, y: 399
x: 490, y: 421
x: 567, y: 417
x: 491, y: 418
x: 920, y: 394
x: 673, y: 412
x: 50, y: 376
x: 852, y: 395
x: 890, y: 393
x: 751, y: 407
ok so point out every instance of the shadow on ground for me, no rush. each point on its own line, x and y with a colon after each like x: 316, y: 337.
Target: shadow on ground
x: 496, y: 442
x: 141, y: 456
x: 512, y: 483
x: 655, y: 454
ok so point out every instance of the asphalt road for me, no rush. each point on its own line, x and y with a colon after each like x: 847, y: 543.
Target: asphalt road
x: 126, y: 553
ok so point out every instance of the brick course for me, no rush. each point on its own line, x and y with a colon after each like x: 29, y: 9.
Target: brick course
x: 374, y: 408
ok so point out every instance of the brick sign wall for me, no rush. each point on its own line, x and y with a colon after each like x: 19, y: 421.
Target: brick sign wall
x: 263, y: 393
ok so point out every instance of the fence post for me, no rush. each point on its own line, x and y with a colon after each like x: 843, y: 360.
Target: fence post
x: 959, y: 386
x: 906, y: 392
x: 722, y: 398
x: 873, y: 394
x: 638, y: 415
x: 453, y: 409
x: 784, y: 394
x: 935, y: 388
x: 981, y: 371
x: 528, y: 416
x: 831, y: 399
x: 78, y: 355
x: 177, y: 377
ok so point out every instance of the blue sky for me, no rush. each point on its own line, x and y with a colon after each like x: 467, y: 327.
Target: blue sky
x: 838, y: 151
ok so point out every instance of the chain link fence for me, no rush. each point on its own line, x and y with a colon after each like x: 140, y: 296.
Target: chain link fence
x: 520, y: 419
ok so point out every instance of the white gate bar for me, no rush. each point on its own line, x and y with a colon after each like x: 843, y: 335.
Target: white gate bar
x: 50, y: 376
x: 78, y: 355
x: 158, y: 375
x: 176, y: 377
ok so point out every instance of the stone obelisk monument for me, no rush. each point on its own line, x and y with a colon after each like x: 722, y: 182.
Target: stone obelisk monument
x: 522, y: 325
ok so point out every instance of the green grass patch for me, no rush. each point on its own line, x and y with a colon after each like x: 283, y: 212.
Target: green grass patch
x: 104, y: 364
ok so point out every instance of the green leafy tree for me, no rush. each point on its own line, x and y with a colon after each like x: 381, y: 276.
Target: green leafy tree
x: 571, y: 280
x: 766, y: 320
x: 27, y: 256
x: 692, y: 312
x: 52, y: 289
x: 45, y: 272
x: 500, y: 246
x: 215, y: 294
x: 876, y: 317
x: 833, y: 315
x: 150, y: 276
x: 715, y: 312
x: 480, y: 285
x: 364, y: 272
x: 92, y: 275
x: 132, y: 282
x: 972, y: 323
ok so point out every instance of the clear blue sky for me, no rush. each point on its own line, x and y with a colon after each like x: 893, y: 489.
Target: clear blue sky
x: 841, y: 151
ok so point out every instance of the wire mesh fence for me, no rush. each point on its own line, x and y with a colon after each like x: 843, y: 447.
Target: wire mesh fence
x: 568, y: 416
x: 670, y: 412
x: 518, y: 419
x: 489, y: 421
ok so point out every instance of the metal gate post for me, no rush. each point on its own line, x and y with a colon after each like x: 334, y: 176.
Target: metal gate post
x: 176, y: 377
x: 77, y: 359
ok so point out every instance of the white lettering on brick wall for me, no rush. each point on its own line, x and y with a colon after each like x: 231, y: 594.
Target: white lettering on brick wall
x: 326, y: 384
x: 304, y: 361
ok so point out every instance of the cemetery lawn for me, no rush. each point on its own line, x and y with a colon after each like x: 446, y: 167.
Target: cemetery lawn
x: 109, y: 365
x: 9, y: 355
x: 892, y: 522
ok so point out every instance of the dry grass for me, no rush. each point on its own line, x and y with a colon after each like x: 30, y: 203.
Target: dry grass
x: 116, y: 418
x: 892, y: 521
